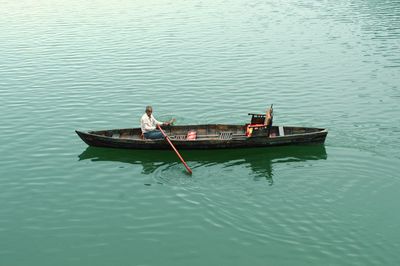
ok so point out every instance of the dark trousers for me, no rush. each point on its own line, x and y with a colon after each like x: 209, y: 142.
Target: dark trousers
x: 154, y: 134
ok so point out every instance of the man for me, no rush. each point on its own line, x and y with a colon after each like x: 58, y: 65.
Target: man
x: 149, y: 124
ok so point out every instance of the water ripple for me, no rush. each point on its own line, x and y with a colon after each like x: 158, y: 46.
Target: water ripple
x: 91, y: 65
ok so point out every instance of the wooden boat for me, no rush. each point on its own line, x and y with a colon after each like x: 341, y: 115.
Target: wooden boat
x: 208, y: 136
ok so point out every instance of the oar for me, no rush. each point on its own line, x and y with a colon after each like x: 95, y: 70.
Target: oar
x: 176, y: 151
x: 269, y: 117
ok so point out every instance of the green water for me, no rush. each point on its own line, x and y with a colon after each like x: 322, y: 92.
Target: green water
x: 67, y: 65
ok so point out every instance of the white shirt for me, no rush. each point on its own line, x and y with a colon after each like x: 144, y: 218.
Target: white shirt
x: 148, y: 123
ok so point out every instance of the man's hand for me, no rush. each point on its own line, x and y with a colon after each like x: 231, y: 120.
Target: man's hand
x: 170, y: 122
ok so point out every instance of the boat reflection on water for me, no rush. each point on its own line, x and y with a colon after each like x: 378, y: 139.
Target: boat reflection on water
x: 259, y: 160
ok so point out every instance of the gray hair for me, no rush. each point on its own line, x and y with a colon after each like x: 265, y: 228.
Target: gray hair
x: 149, y: 108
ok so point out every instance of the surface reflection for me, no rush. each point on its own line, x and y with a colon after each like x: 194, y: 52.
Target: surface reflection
x: 259, y: 160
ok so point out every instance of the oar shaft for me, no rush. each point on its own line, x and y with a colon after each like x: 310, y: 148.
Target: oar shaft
x: 176, y: 151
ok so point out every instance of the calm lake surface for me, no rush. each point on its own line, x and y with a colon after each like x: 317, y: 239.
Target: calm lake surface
x: 67, y: 65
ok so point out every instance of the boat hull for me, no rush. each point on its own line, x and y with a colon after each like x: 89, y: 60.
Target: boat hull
x: 130, y: 138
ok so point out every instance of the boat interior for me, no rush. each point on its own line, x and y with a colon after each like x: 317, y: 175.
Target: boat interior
x: 256, y: 128
x: 210, y: 131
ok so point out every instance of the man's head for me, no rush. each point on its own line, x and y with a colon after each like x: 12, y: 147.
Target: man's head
x: 149, y: 110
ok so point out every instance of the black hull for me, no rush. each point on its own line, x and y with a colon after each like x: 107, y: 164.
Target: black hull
x: 129, y: 139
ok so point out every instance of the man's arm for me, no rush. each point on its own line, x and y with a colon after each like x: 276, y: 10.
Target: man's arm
x: 157, y: 122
